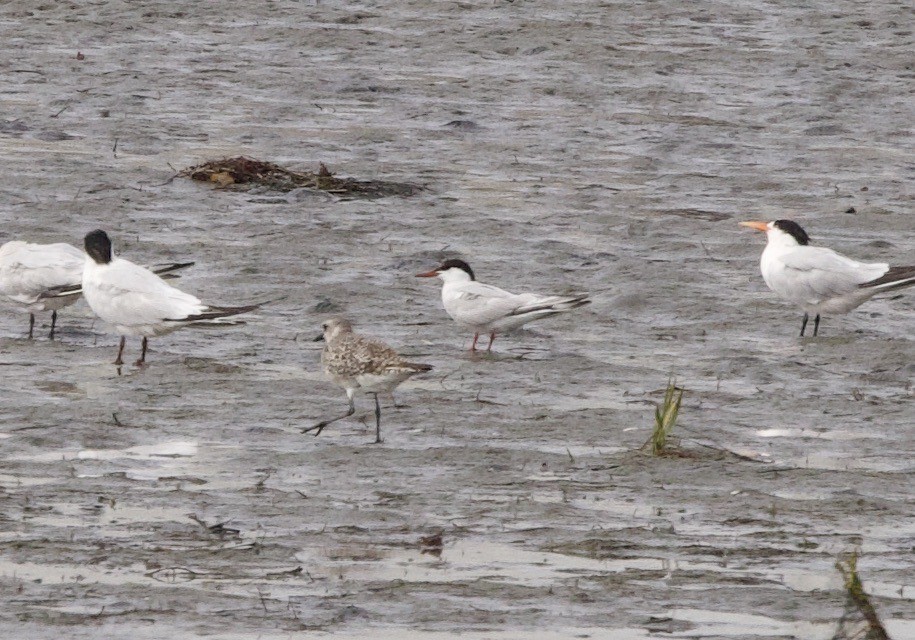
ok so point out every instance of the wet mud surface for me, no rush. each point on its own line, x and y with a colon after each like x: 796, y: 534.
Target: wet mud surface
x: 559, y: 146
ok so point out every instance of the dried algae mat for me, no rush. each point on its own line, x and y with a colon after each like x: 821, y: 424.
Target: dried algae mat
x: 244, y: 174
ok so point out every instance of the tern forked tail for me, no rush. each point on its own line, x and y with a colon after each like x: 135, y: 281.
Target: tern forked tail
x: 552, y: 305
x: 895, y: 278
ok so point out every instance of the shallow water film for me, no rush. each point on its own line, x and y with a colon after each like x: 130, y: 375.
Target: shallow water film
x: 557, y: 146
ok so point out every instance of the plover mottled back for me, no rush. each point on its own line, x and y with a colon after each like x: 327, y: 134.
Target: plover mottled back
x: 818, y: 279
x: 137, y: 301
x: 487, y: 309
x: 357, y: 363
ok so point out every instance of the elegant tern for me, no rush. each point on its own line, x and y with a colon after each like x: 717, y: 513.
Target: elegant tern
x: 820, y: 280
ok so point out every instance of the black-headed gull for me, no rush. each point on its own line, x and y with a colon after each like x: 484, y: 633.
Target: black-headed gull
x: 30, y: 274
x: 484, y: 308
x: 137, y: 301
x: 357, y: 363
x: 46, y: 277
x: 820, y: 280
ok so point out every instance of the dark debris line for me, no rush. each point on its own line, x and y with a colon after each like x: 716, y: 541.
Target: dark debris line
x: 242, y: 173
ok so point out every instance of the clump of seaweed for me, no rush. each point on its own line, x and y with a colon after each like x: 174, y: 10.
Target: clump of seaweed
x: 848, y: 567
x: 665, y: 418
x: 242, y: 173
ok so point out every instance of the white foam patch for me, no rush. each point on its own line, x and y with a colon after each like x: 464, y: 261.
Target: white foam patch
x: 176, y: 449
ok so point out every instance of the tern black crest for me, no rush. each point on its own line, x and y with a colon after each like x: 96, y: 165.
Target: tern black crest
x: 457, y: 264
x: 98, y: 246
x: 794, y: 230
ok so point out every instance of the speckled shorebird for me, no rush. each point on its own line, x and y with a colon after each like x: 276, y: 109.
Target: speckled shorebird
x: 484, y: 308
x: 820, y: 280
x: 357, y: 363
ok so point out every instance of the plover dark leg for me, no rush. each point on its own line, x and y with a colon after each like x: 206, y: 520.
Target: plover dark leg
x: 318, y: 428
x: 377, y: 420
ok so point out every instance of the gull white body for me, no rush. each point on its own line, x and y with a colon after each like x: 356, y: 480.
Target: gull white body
x: 30, y: 272
x: 135, y: 300
x: 820, y: 280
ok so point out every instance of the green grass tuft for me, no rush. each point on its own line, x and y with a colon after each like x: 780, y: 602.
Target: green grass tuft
x: 665, y: 417
x: 848, y: 567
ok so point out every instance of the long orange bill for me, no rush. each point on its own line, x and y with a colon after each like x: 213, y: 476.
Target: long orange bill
x: 759, y: 226
x: 428, y: 274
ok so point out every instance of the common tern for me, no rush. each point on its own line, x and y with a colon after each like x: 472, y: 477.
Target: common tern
x: 47, y: 277
x: 358, y: 363
x: 820, y: 280
x: 136, y: 301
x: 484, y: 308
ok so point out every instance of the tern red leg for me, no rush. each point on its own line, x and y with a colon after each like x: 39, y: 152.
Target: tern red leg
x: 473, y: 347
x: 492, y: 336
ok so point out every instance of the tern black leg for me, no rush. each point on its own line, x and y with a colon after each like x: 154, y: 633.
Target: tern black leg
x: 804, y: 324
x: 53, y: 323
x: 31, y: 324
x: 816, y: 325
x: 318, y: 428
x: 142, y: 361
x: 118, y: 360
x: 377, y: 420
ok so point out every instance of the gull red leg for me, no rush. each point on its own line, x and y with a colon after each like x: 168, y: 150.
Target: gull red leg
x: 118, y: 360
x: 142, y: 360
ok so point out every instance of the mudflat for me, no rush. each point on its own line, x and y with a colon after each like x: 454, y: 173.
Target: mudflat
x: 557, y: 147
